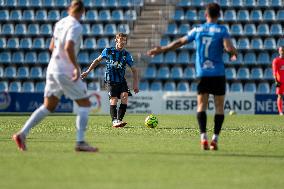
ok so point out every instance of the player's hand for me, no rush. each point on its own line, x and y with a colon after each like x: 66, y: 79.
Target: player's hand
x: 76, y: 74
x: 233, y: 57
x: 154, y: 51
x: 84, y: 75
x: 277, y: 84
x: 136, y: 90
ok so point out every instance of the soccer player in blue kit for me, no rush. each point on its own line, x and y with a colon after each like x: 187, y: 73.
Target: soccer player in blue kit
x: 211, y: 39
x: 116, y: 60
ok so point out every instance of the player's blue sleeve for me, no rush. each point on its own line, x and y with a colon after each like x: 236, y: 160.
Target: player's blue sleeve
x: 225, y: 33
x: 191, y: 35
x: 104, y: 53
x: 129, y: 60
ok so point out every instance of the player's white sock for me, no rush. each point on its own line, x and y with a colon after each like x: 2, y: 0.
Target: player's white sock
x: 203, y: 136
x: 215, y: 137
x: 81, y: 122
x: 38, y: 115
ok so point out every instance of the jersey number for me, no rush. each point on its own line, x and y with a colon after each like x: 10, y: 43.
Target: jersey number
x: 207, y: 42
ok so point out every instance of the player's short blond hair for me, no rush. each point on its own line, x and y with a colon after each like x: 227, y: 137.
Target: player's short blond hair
x: 121, y: 35
x: 76, y: 6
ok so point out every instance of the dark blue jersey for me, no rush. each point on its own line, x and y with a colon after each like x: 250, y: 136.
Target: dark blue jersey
x: 116, y: 62
x: 209, y: 48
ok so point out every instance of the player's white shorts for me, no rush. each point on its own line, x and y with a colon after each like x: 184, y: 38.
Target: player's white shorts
x: 59, y: 84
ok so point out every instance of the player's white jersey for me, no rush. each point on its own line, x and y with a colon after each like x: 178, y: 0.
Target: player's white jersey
x: 65, y: 30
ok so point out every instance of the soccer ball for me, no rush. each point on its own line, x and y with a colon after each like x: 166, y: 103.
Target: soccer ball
x: 232, y: 112
x: 151, y: 121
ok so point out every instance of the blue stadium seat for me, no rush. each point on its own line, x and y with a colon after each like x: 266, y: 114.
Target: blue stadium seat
x: 272, y: 89
x: 276, y: 30
x: 249, y: 29
x: 46, y: 29
x: 230, y: 73
x: 43, y: 57
x: 25, y: 43
x: 4, y: 14
x: 144, y: 86
x: 124, y: 3
x: 189, y: 73
x: 268, y: 74
x: 276, y: 3
x: 274, y: 55
x: 10, y: 3
x: 38, y: 43
x: 15, y: 15
x: 30, y: 57
x: 13, y: 43
x: 15, y: 86
x: 196, y: 3
x: 263, y: 58
x: 110, y: 29
x: 1, y: 72
x: 236, y: 87
x: 111, y: 3
x: 236, y: 29
x: 240, y: 59
x: 156, y: 86
x: 83, y: 58
x: 28, y: 86
x: 256, y: 43
x: 243, y: 15
x: 191, y: 15
x: 33, y: 29
x: 102, y: 43
x: 201, y: 15
x: 91, y: 15
x: 63, y: 13
x: 47, y: 3
x: 117, y: 15
x: 10, y: 72
x: 250, y: 87
x: 53, y: 15
x: 94, y: 86
x: 263, y: 87
x: 183, y: 29
x: 250, y: 58
x: 104, y: 15
x: 243, y: 73
x: 256, y: 73
x: 41, y: 15
x: 230, y: 15
x: 2, y: 42
x: 35, y: 3
x: 163, y: 72
x: 256, y: 15
x: 23, y: 72
x: 36, y: 72
x: 183, y: 86
x: 269, y: 15
x: 224, y: 3
x: 3, y: 86
x: 5, y: 57
x: 130, y: 15
x: 150, y: 73
x: 171, y: 29
x: 190, y: 46
x: 28, y: 15
x: 158, y: 59
x: 178, y: 15
x: 7, y: 29
x: 263, y: 3
x: 263, y: 29
x: 23, y: 3
x: 280, y: 15
x: 226, y: 58
x: 183, y: 57
x: 165, y: 41
x: 97, y: 29
x: 243, y: 43
x: 61, y: 3
x: 86, y: 29
x: 18, y: 57
x: 124, y: 28
x: 269, y: 43
x: 170, y: 57
x: 20, y: 29
x: 280, y: 42
x: 39, y: 86
x: 237, y: 3
x: 193, y: 86
x: 249, y: 3
x: 94, y: 55
x: 193, y: 58
x: 176, y: 73
x: 89, y: 43
x: 169, y: 86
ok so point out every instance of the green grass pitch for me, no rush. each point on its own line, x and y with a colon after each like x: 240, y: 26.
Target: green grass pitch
x: 250, y: 156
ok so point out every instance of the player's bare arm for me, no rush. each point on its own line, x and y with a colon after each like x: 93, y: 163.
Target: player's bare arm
x: 51, y: 45
x: 94, y: 64
x: 229, y: 47
x: 172, y: 46
x: 70, y: 49
x: 135, y: 79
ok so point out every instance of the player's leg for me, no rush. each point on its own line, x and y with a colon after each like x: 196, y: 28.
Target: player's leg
x: 218, y: 119
x: 123, y: 107
x: 202, y: 103
x: 280, y: 104
x: 113, y: 111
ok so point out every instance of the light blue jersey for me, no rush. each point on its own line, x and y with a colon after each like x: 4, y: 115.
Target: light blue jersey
x: 209, y: 49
